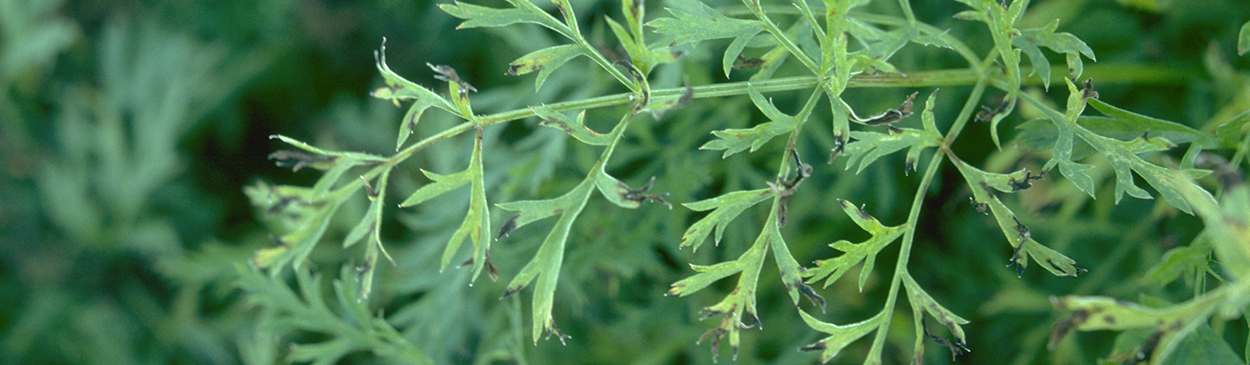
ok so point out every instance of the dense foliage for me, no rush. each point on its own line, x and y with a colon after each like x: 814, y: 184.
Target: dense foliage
x: 879, y: 182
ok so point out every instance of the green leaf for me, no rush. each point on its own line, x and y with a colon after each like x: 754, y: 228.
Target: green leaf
x: 1230, y: 133
x: 738, y: 308
x: 441, y: 184
x: 363, y: 157
x: 728, y: 207
x: 545, y: 61
x: 409, y: 123
x: 398, y: 88
x: 1243, y: 39
x: 840, y: 336
x: 738, y: 140
x: 476, y: 224
x: 704, y: 276
x: 523, y: 11
x: 1018, y: 235
x: 575, y: 128
x: 833, y: 269
x: 919, y: 298
x: 295, y: 246
x: 1125, y: 125
x: 622, y: 195
x: 1072, y: 47
x: 550, y: 257
x: 707, y: 23
x: 1203, y: 346
x: 867, y: 146
x: 1191, y: 261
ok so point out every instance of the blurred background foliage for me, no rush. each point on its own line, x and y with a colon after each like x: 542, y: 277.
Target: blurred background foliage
x: 129, y: 129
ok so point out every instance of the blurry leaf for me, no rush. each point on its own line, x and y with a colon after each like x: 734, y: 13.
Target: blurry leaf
x: 1230, y: 133
x: 707, y: 23
x: 1243, y: 39
x: 1155, y: 6
x: 32, y: 36
x: 831, y: 270
x: 1191, y: 260
x: 352, y: 329
x: 1203, y: 346
x: 295, y: 246
x: 1227, y: 225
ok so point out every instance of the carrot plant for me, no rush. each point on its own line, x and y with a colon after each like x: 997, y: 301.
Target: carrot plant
x: 726, y: 147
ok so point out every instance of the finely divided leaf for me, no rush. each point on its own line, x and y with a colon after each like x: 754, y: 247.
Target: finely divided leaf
x: 1030, y: 39
x: 707, y: 23
x: 1126, y: 125
x: 920, y: 298
x: 833, y: 269
x: 738, y: 140
x: 840, y: 336
x: 480, y: 16
x: 398, y: 88
x: 870, y: 146
x: 727, y: 207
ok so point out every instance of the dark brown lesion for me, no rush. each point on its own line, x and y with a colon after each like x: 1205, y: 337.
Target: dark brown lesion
x: 297, y: 160
x: 448, y: 74
x: 1024, y: 183
x: 839, y: 146
x: 1088, y: 91
x: 507, y: 227
x: 957, y: 347
x: 808, y: 292
x: 986, y: 114
x: 891, y: 116
x: 558, y: 124
x: 373, y: 194
x: 640, y: 194
x: 981, y: 207
x: 1061, y: 328
x: 753, y: 62
x: 787, y: 188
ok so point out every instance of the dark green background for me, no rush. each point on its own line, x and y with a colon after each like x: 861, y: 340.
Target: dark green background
x: 131, y: 127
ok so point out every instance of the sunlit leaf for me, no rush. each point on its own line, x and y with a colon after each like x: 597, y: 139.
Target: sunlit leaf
x: 831, y: 270
x: 727, y: 207
x: 738, y: 140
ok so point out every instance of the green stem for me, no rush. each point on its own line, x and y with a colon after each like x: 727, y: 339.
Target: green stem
x: 784, y: 40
